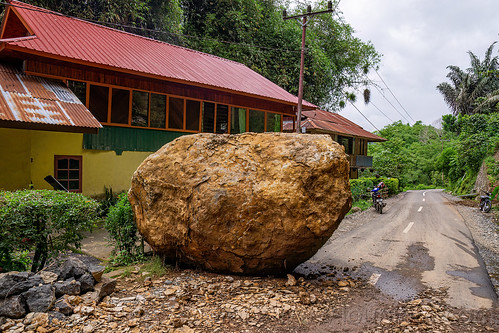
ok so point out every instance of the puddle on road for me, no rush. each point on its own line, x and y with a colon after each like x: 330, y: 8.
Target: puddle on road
x: 402, y: 284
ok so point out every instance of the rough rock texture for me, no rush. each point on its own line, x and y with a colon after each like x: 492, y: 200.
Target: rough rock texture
x: 248, y: 203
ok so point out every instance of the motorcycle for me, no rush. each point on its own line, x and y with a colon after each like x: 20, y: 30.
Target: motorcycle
x: 377, y: 196
x: 485, y: 203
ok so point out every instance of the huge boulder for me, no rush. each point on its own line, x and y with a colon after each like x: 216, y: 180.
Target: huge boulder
x: 248, y: 203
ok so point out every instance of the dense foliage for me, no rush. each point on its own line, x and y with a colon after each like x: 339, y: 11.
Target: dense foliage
x: 252, y: 32
x: 448, y: 157
x: 43, y: 221
x: 120, y: 223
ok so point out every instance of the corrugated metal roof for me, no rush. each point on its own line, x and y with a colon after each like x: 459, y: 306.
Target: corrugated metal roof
x: 333, y: 122
x: 95, y: 44
x: 27, y: 100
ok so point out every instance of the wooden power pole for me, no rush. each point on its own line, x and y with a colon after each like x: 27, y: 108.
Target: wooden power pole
x: 304, y: 20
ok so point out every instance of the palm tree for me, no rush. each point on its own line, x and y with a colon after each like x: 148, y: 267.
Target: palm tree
x: 469, y: 86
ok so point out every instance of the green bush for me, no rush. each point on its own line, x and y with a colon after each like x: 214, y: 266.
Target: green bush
x: 120, y: 224
x: 359, y: 187
x: 44, y: 221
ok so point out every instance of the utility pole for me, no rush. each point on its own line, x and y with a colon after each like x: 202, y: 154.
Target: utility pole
x: 304, y: 20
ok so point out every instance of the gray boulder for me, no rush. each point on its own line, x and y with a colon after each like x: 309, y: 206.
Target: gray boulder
x: 73, y: 267
x: 40, y: 299
x: 12, y: 307
x: 69, y: 287
x: 15, y: 283
x: 87, y: 283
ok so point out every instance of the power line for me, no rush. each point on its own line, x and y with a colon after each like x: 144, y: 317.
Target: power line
x: 391, y: 92
x: 393, y: 106
x: 349, y: 101
x: 47, y: 11
x: 384, y: 114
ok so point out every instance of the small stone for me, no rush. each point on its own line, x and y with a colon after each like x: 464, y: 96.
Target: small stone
x: 229, y: 279
x: 63, y: 306
x: 291, y: 280
x: 343, y: 283
x: 313, y: 299
x: 84, y: 310
x: 97, y: 271
x: 87, y: 282
x: 415, y: 302
x: 48, y: 277
x: 133, y: 322
x: 386, y: 322
x: 88, y: 329
x: 404, y: 324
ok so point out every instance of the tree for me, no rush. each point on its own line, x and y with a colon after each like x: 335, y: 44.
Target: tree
x: 469, y: 90
x: 255, y: 34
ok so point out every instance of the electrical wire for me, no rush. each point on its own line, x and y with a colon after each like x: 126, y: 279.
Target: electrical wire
x: 349, y: 101
x: 393, y: 106
x: 391, y: 92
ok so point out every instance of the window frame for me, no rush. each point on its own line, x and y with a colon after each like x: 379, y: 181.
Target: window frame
x: 167, y: 111
x: 58, y: 158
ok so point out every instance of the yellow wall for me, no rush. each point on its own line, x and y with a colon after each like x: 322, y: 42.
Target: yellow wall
x: 14, y: 159
x: 29, y: 156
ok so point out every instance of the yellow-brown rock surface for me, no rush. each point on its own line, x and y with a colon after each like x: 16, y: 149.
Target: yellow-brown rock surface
x: 248, y: 203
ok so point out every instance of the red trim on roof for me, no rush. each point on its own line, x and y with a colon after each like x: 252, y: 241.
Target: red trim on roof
x: 76, y: 40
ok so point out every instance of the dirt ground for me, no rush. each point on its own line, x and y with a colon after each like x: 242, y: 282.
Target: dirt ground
x: 189, y: 300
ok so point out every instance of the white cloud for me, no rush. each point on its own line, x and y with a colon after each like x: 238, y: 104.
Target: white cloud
x: 418, y: 40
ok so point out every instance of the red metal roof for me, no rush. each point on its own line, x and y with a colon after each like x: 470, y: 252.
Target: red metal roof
x: 77, y: 40
x: 30, y: 101
x: 332, y: 122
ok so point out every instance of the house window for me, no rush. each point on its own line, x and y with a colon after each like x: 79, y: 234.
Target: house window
x: 98, y: 102
x: 67, y: 170
x: 192, y: 112
x: 120, y: 103
x: 175, y: 113
x: 222, y: 119
x: 273, y: 122
x: 237, y: 120
x: 140, y: 109
x: 346, y: 142
x: 79, y: 89
x: 158, y: 111
x: 256, y: 121
x: 208, y: 117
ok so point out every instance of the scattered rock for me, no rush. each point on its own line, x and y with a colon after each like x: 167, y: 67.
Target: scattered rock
x: 291, y: 280
x: 40, y: 299
x: 87, y: 282
x: 73, y: 267
x: 12, y: 307
x: 70, y: 287
x: 48, y: 277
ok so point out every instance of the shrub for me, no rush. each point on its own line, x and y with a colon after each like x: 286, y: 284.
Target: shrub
x: 120, y: 224
x: 45, y: 221
x: 359, y: 186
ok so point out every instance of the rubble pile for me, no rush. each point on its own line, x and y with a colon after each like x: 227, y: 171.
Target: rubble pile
x: 58, y: 289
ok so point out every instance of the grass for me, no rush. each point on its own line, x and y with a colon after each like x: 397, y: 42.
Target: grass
x: 152, y: 267
x: 362, y: 204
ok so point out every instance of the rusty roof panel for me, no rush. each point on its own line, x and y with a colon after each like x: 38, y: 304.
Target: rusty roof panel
x: 333, y: 122
x: 34, y: 100
x: 78, y: 40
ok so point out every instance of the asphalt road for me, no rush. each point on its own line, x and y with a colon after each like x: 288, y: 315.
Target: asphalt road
x: 418, y: 242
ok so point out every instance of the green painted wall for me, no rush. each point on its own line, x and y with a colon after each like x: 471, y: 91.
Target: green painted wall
x: 122, y: 139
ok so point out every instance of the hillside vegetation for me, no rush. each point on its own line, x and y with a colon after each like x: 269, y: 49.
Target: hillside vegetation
x: 450, y: 156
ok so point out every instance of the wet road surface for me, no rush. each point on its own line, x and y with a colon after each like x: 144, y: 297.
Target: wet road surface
x: 419, y: 242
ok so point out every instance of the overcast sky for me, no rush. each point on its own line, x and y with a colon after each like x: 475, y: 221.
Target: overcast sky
x: 418, y: 39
